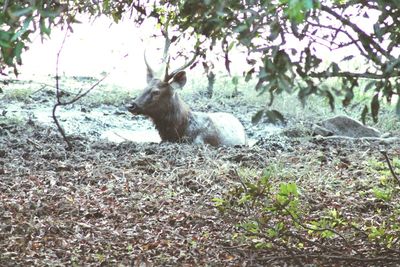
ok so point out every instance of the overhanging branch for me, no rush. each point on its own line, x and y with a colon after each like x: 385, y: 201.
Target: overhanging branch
x: 339, y: 29
x: 364, y: 38
x: 346, y: 74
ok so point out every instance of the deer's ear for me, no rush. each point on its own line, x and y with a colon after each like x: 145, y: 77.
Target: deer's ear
x: 179, y: 80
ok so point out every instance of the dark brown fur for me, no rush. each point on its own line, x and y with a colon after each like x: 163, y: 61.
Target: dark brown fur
x: 172, y: 125
x: 175, y: 121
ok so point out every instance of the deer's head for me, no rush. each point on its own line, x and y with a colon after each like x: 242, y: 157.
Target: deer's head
x: 159, y: 95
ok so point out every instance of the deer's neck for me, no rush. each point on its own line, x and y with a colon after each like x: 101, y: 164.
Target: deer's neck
x: 173, y: 122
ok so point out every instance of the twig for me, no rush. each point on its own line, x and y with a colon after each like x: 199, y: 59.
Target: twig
x: 59, y: 127
x: 311, y: 242
x: 367, y: 41
x: 5, y: 5
x: 240, y: 180
x: 285, y: 246
x: 390, y: 166
x: 40, y: 89
x: 332, y: 257
x: 78, y: 96
x: 58, y: 96
x: 244, y: 186
x: 35, y: 144
x: 366, y: 75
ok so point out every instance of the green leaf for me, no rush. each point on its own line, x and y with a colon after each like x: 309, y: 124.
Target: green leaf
x: 382, y: 194
x: 49, y: 13
x: 398, y: 108
x: 5, y: 44
x: 309, y: 4
x: 259, y: 84
x: 240, y: 28
x: 348, y: 58
x: 265, y: 179
x: 257, y: 117
x: 285, y: 83
x: 327, y: 234
x: 22, y: 12
x: 249, y: 74
x: 286, y: 189
x: 269, y: 87
x: 274, y: 116
x: 378, y: 31
x: 335, y: 68
x: 369, y: 86
x: 106, y: 5
x: 292, y: 188
x: 364, y: 114
x: 375, y: 107
x: 43, y: 28
x: 235, y: 80
x: 348, y: 97
x: 272, y: 233
x: 331, y: 99
x: 5, y: 35
x: 274, y: 31
x: 231, y: 45
x: 18, y: 51
x: 24, y: 28
x: 218, y: 202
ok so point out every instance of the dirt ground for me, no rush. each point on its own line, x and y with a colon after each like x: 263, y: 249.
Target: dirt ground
x: 142, y: 204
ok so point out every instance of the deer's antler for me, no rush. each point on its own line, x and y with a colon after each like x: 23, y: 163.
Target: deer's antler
x: 186, y: 65
x: 166, y: 58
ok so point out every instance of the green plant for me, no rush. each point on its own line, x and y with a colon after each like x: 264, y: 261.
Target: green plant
x: 12, y: 120
x: 275, y: 216
x: 108, y: 96
x: 384, y: 194
x: 19, y: 94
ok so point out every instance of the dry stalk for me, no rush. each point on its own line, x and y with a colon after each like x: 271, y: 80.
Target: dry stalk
x: 384, y: 153
x: 59, y: 102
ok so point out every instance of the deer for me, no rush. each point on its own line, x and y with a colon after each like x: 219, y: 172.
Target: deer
x: 175, y: 120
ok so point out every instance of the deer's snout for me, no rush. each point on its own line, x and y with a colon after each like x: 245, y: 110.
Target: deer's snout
x: 134, y: 108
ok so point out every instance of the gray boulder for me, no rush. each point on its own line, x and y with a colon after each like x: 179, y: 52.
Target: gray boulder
x: 344, y: 126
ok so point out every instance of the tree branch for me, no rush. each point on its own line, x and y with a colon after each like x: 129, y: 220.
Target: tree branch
x: 362, y: 36
x: 346, y: 74
x: 5, y: 5
x: 58, y: 95
x: 353, y: 41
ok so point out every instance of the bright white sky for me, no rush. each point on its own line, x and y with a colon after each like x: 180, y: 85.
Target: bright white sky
x: 91, y: 49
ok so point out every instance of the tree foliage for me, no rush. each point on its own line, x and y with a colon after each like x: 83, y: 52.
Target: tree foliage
x: 286, y: 40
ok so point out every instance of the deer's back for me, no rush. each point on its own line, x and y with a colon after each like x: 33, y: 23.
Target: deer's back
x: 217, y: 129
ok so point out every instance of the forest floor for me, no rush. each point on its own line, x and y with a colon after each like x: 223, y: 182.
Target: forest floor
x: 126, y: 203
